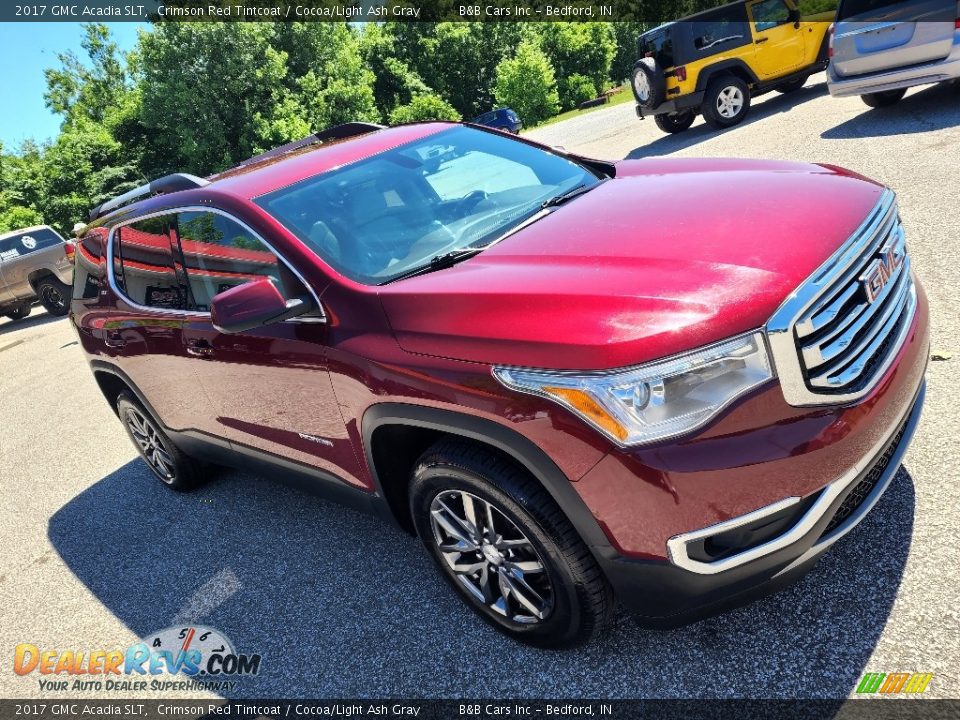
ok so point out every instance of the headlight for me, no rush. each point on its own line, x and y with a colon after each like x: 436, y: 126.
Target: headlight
x: 659, y: 400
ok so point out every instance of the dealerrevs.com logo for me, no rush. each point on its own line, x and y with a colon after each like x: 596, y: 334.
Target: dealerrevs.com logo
x: 205, y: 659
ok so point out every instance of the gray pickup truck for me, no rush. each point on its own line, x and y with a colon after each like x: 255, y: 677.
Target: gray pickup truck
x: 35, y: 264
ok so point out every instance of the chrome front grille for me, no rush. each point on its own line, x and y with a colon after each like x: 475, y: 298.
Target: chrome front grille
x: 837, y: 334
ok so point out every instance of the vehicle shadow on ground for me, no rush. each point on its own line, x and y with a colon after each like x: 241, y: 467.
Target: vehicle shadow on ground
x: 765, y: 107
x: 934, y: 108
x: 340, y: 604
x: 38, y: 317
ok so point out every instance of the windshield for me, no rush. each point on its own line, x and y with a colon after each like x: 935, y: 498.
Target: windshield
x: 380, y: 218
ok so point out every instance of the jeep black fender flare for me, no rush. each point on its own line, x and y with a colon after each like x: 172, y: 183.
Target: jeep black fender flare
x: 727, y: 67
x: 508, y: 441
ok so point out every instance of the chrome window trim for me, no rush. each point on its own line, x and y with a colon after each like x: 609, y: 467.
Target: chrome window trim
x: 112, y: 281
x: 678, y: 544
x: 779, y: 329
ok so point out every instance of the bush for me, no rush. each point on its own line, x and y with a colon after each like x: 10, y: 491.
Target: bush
x: 18, y: 217
x: 577, y: 89
x: 423, y: 107
x: 527, y: 84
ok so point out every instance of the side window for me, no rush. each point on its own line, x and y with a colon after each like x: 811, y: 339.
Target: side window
x: 722, y: 30
x: 769, y: 13
x: 143, y: 265
x: 218, y: 254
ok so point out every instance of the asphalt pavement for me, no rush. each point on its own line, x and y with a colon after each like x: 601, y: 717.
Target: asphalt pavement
x: 97, y: 554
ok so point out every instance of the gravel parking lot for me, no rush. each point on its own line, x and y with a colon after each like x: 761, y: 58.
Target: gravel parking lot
x: 98, y: 554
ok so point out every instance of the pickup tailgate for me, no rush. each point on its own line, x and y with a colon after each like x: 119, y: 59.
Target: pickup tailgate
x: 872, y: 36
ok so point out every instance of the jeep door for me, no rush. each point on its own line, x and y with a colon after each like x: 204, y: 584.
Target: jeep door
x: 876, y: 35
x: 778, y: 44
x: 269, y: 388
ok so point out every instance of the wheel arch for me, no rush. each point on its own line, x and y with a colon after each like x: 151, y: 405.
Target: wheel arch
x: 112, y: 381
x: 39, y: 274
x: 735, y: 67
x: 413, y: 428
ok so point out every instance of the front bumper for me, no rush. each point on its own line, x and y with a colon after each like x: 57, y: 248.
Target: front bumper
x: 897, y: 78
x: 670, y: 594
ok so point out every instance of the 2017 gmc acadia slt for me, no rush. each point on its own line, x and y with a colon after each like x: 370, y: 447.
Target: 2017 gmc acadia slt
x: 673, y: 382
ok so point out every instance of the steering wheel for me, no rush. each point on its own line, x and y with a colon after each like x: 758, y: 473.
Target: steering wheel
x: 471, y: 199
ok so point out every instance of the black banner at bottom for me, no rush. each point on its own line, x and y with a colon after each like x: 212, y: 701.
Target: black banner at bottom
x: 874, y: 709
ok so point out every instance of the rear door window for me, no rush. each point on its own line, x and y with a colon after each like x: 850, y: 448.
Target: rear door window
x: 769, y: 13
x: 143, y: 266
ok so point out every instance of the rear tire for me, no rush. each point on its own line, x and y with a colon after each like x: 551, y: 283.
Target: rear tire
x: 20, y: 312
x: 505, y: 546
x: 883, y: 99
x: 792, y: 86
x: 675, y: 122
x: 166, y: 461
x: 54, y: 296
x: 726, y: 102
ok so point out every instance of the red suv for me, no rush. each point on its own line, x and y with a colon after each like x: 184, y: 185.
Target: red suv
x: 569, y: 386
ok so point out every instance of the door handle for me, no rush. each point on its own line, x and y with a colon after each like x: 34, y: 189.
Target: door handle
x: 199, y: 348
x: 762, y: 40
x: 114, y: 339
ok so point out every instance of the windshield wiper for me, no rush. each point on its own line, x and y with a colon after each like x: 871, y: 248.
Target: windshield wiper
x: 569, y: 195
x: 439, y: 262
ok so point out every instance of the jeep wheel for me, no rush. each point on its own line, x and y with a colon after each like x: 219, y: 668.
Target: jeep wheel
x: 675, y: 122
x: 19, y: 313
x: 726, y: 102
x: 504, y: 545
x: 649, y: 87
x: 883, y: 99
x: 54, y: 296
x: 165, y: 460
x: 792, y: 86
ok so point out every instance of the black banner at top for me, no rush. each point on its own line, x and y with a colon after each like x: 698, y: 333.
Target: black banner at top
x: 647, y: 11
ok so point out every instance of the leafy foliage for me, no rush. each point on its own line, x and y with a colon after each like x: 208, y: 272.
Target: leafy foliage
x: 527, y: 83
x: 424, y: 107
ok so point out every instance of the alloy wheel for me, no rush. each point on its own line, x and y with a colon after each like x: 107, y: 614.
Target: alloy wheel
x: 53, y: 297
x: 490, y: 557
x: 730, y: 102
x: 152, y: 445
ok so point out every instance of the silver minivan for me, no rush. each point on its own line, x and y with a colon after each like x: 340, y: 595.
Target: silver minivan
x: 879, y: 48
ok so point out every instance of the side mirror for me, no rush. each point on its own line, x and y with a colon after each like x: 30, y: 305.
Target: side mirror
x: 254, y: 304
x: 794, y: 17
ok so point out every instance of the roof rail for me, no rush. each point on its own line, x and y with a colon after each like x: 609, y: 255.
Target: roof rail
x: 166, y: 184
x: 337, y: 132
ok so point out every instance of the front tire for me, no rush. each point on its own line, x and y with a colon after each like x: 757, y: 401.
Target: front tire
x: 20, y: 312
x: 726, y: 102
x: 504, y: 545
x: 883, y: 99
x: 54, y: 296
x: 675, y: 122
x: 166, y: 461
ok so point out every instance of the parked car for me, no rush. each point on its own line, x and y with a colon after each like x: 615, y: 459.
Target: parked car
x: 714, y: 62
x: 35, y: 263
x: 501, y: 119
x: 879, y: 48
x: 568, y: 395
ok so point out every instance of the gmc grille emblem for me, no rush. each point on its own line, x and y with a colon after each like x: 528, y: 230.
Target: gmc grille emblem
x: 879, y: 272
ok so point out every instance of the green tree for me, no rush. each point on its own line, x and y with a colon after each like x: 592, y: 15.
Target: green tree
x: 18, y: 216
x: 87, y: 90
x: 395, y: 83
x: 585, y: 49
x: 214, y: 94
x: 625, y: 35
x: 527, y: 83
x: 424, y: 107
x: 580, y: 88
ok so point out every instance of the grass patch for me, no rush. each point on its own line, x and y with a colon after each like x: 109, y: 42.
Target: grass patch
x: 624, y: 96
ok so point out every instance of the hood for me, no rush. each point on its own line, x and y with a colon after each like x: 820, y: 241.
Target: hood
x: 670, y: 255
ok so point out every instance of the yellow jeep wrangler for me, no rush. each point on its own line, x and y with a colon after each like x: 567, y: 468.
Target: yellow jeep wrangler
x: 713, y: 62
